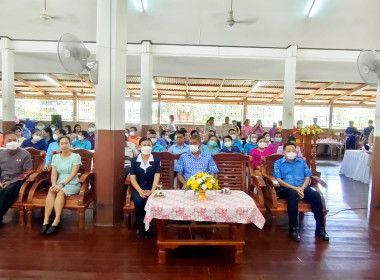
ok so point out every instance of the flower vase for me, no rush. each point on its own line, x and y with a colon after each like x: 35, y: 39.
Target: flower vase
x: 202, y: 195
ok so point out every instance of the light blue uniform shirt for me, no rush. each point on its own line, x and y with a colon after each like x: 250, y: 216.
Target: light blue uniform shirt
x: 174, y: 149
x: 248, y: 147
x: 52, y: 147
x: 85, y: 145
x: 293, y: 173
x: 236, y: 143
x: 189, y: 165
x: 205, y: 150
x: 158, y: 148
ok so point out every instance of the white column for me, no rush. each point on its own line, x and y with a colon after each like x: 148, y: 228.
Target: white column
x: 146, y: 84
x: 289, y: 88
x: 112, y: 57
x: 8, y: 77
x: 376, y: 132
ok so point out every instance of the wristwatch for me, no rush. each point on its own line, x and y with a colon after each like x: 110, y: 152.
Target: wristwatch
x: 63, y: 185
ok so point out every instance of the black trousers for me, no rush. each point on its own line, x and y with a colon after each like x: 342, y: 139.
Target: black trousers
x: 350, y: 145
x: 8, y: 196
x: 311, y: 196
x: 139, y: 209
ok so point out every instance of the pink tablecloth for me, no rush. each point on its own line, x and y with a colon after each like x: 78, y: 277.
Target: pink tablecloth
x: 238, y: 207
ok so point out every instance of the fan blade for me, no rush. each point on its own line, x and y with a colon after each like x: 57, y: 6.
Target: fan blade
x: 248, y: 21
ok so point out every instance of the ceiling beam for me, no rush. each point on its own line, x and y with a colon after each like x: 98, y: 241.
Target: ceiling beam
x: 87, y: 80
x: 54, y: 78
x: 250, y: 90
x: 155, y: 90
x: 350, y: 92
x: 278, y: 95
x: 21, y: 80
x: 368, y: 99
x: 311, y: 95
x: 219, y: 88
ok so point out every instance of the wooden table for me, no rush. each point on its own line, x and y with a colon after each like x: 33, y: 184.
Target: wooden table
x: 230, y: 212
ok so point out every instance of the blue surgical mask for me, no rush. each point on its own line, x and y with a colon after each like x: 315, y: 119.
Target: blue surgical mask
x: 212, y: 143
x: 278, y: 139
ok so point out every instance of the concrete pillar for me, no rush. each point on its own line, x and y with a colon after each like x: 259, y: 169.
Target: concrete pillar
x: 374, y: 187
x: 75, y: 109
x: 146, y: 87
x: 110, y: 111
x: 289, y: 91
x: 8, y: 87
x: 245, y: 110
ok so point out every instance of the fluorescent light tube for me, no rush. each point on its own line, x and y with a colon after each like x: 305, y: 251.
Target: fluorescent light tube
x: 313, y: 8
x: 256, y: 86
x: 141, y: 6
x: 47, y: 78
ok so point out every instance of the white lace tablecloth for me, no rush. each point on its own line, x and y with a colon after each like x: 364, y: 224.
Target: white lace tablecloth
x: 355, y: 165
x: 237, y: 207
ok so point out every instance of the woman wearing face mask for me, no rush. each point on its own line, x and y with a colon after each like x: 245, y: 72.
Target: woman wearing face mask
x: 251, y: 143
x: 36, y: 141
x: 261, y: 151
x: 82, y: 143
x: 53, y: 146
x: 211, y: 147
x: 17, y: 130
x: 74, y: 135
x: 291, y: 139
x: 267, y: 138
x: 228, y: 147
x: 258, y: 128
x: 145, y: 175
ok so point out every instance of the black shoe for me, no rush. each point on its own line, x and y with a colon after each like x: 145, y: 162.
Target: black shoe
x: 52, y: 230
x: 293, y: 233
x: 44, y: 229
x: 322, y: 234
x: 148, y: 234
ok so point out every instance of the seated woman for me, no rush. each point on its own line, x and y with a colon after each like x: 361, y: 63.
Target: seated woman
x: 251, y: 143
x: 36, y: 141
x: 228, y: 147
x: 82, y: 143
x: 145, y: 175
x: 64, y: 182
x: 17, y: 130
x: 211, y: 147
x: 291, y: 139
x: 47, y: 135
x: 53, y: 147
x: 261, y: 151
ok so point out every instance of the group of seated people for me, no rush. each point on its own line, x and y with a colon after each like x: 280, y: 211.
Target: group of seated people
x: 291, y: 171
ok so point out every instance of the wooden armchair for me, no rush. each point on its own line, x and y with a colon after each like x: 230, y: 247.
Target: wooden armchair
x: 38, y: 160
x: 80, y: 202
x: 278, y: 205
x: 166, y: 178
x: 233, y: 174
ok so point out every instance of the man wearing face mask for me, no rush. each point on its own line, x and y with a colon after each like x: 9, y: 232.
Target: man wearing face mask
x: 179, y: 147
x: 133, y: 136
x: 40, y: 125
x: 47, y: 135
x: 36, y: 141
x: 13, y: 162
x: 235, y: 142
x: 293, y: 175
x: 159, y: 140
x: 82, y: 143
x: 194, y: 162
x: 228, y: 147
x: 53, y: 146
x: 277, y: 143
x: 152, y: 135
x: 91, y: 135
x: 251, y: 143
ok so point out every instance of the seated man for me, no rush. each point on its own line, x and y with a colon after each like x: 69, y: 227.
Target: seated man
x: 180, y: 146
x: 152, y: 135
x: 228, y: 147
x: 13, y: 162
x: 194, y: 162
x: 159, y: 140
x: 133, y: 136
x: 293, y: 175
x: 235, y: 142
x: 277, y: 142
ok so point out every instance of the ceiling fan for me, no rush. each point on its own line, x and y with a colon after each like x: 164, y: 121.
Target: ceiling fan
x: 231, y: 20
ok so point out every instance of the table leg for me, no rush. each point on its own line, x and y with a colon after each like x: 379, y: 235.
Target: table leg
x: 238, y: 254
x: 161, y: 237
x: 161, y: 255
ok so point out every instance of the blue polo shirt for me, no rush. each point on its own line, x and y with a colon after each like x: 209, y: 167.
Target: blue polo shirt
x: 52, y: 147
x: 234, y: 149
x: 236, y: 143
x: 174, y: 149
x: 248, y: 147
x: 205, y: 150
x: 293, y: 173
x: 189, y: 165
x: 158, y: 148
x: 82, y: 145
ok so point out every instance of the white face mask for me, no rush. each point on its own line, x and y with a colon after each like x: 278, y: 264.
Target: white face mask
x: 228, y: 144
x: 132, y: 133
x: 126, y: 135
x: 12, y: 145
x: 55, y: 137
x: 53, y: 129
x: 267, y: 138
x: 263, y: 145
x: 154, y: 140
x: 233, y: 136
x: 146, y: 150
x: 291, y: 155
x: 91, y: 129
x: 80, y: 137
x: 253, y: 140
x: 194, y: 148
x: 37, y: 138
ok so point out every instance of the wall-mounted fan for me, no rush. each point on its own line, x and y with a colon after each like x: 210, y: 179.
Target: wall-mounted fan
x: 369, y: 67
x: 73, y: 56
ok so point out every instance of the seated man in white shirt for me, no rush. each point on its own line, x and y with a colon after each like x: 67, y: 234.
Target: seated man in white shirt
x: 130, y: 152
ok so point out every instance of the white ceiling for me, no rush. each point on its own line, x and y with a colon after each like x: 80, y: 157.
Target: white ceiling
x: 338, y: 24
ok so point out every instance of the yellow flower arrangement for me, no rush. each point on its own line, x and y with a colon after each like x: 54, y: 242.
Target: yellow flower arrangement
x: 202, y: 182
x: 310, y: 130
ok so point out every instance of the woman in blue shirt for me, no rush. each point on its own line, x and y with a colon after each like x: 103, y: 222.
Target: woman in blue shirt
x: 211, y: 147
x: 82, y: 143
x: 228, y: 147
x: 36, y: 141
x: 251, y: 143
x: 53, y: 146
